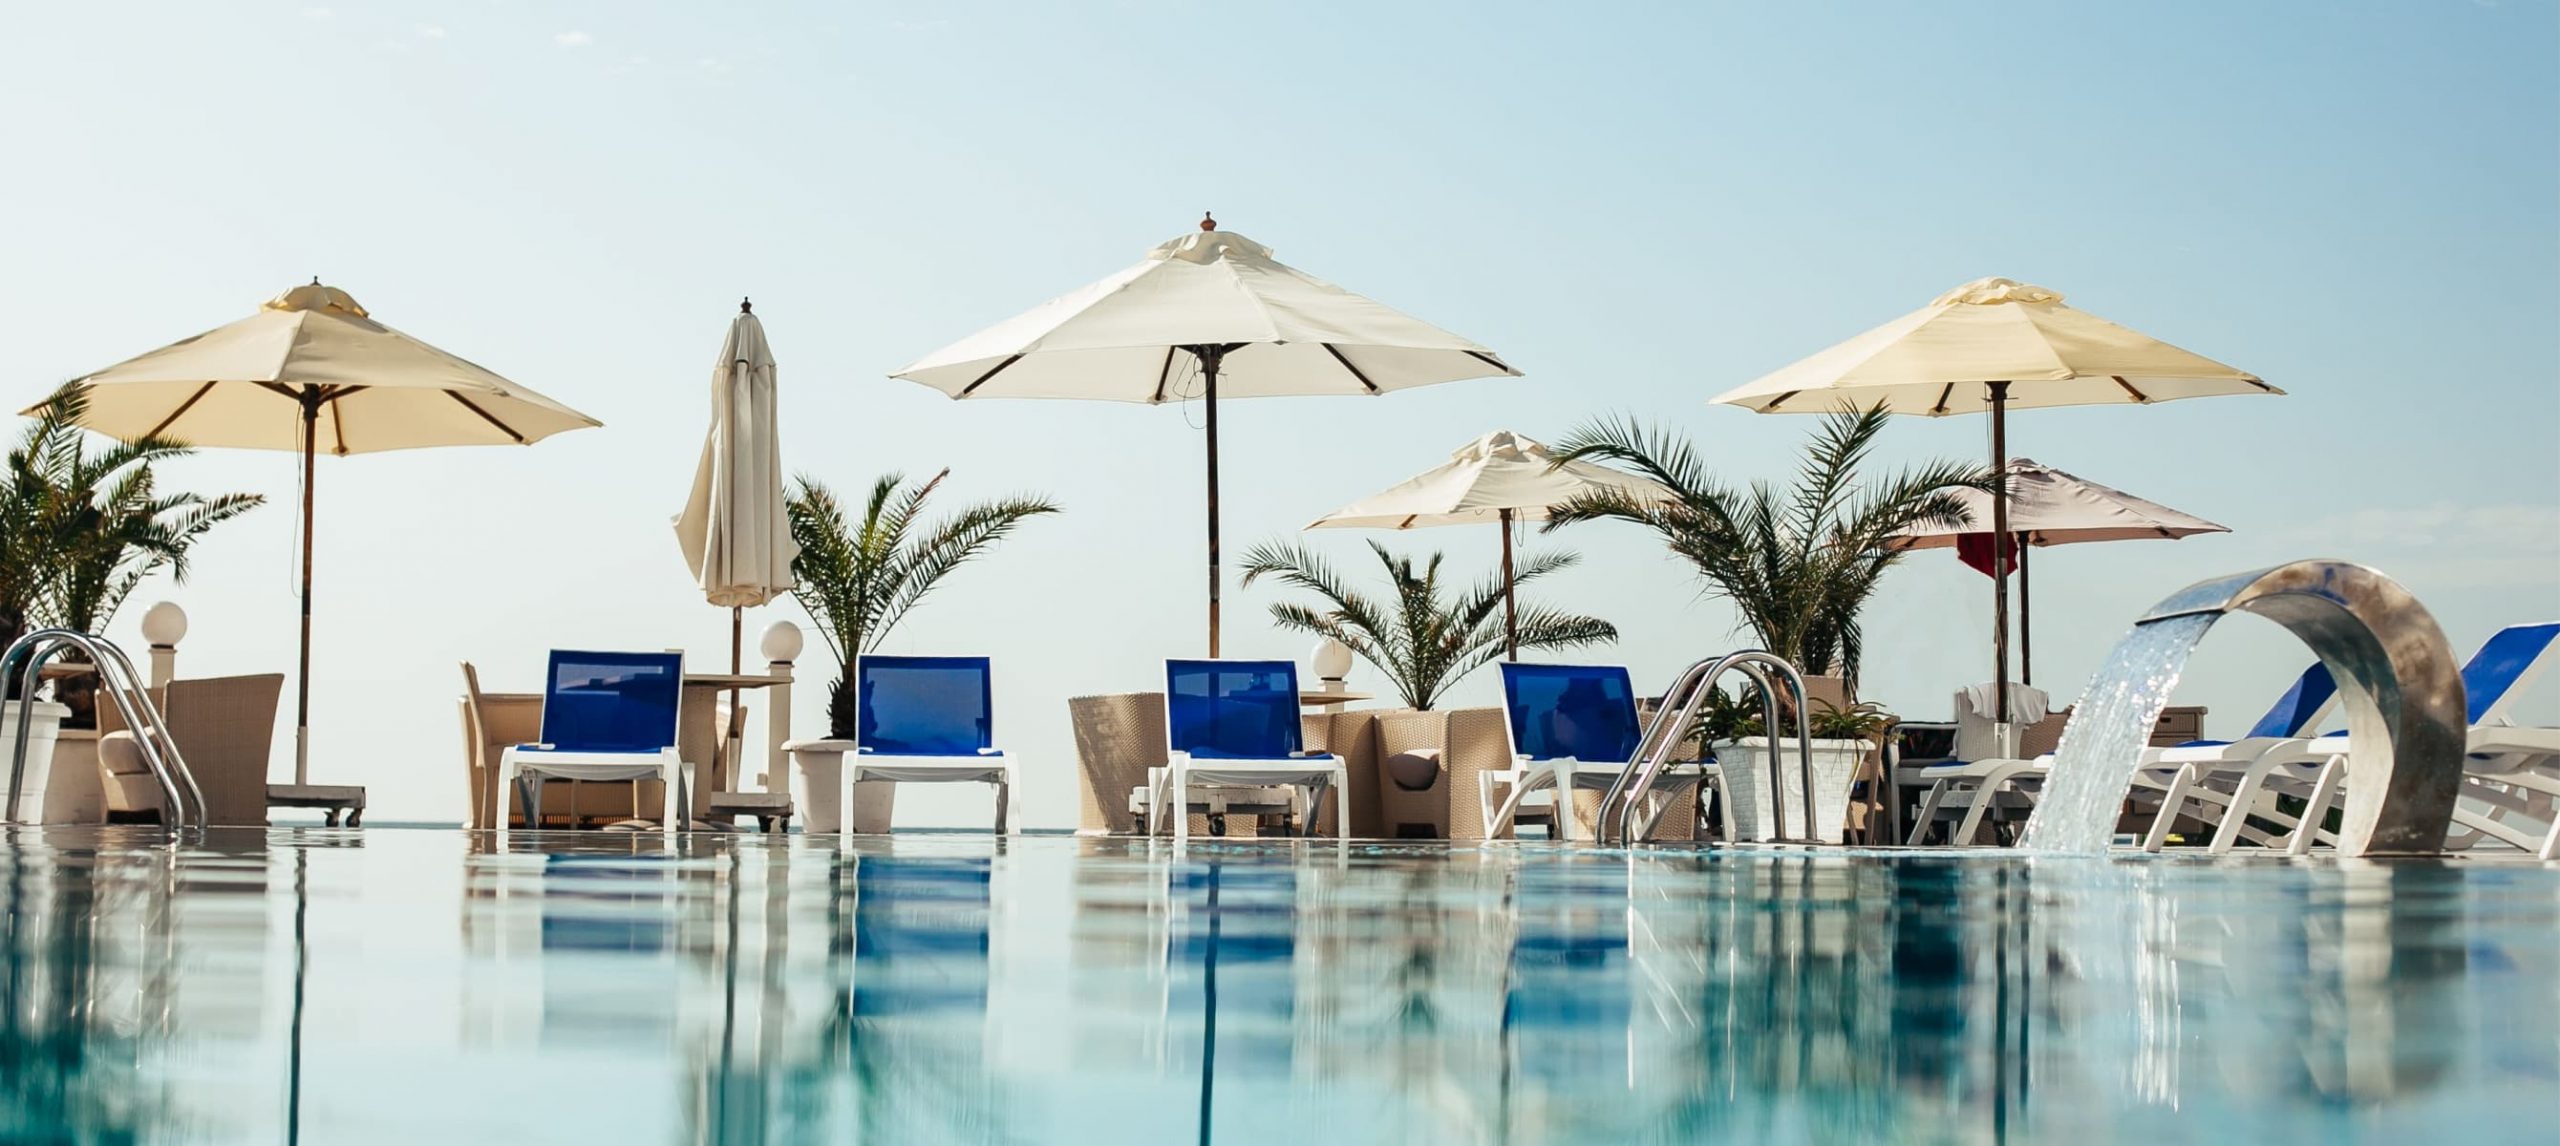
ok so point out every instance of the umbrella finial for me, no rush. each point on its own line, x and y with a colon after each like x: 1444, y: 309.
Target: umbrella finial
x: 1206, y: 223
x: 746, y: 306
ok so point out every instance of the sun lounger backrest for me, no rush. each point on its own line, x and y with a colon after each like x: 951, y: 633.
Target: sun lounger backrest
x: 2300, y: 706
x: 1586, y: 712
x: 611, y: 702
x: 924, y: 706
x: 1235, y: 710
x: 2508, y: 661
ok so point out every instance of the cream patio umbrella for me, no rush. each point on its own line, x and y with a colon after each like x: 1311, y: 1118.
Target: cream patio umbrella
x: 1498, y: 479
x: 735, y: 533
x: 1993, y: 344
x: 2050, y: 507
x: 312, y: 366
x: 1216, y: 303
x: 734, y: 529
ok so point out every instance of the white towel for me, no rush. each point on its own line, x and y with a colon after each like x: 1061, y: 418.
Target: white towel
x: 2027, y: 703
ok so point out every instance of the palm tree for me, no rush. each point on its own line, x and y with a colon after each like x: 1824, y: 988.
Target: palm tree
x: 1423, y: 642
x: 1798, y: 564
x: 78, y: 531
x: 859, y: 579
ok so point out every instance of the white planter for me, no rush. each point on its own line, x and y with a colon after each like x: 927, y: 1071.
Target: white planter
x: 36, y: 778
x: 1745, y: 764
x: 818, y: 791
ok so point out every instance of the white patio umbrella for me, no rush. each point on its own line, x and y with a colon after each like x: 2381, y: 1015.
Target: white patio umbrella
x: 735, y: 533
x: 313, y: 366
x: 1498, y: 479
x: 1992, y: 344
x: 2050, y: 507
x: 1218, y: 303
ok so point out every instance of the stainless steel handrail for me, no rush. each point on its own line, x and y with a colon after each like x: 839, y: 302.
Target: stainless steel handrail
x: 124, y: 687
x: 1626, y: 794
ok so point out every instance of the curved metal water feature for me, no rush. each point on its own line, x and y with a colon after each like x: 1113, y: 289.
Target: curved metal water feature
x: 124, y: 687
x: 1679, y: 706
x: 2397, y: 681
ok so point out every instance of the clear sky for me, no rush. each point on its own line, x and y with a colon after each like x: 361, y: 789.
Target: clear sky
x: 1640, y: 206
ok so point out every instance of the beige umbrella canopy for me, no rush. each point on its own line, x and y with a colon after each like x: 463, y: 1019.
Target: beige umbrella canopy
x: 2050, y: 507
x: 1497, y: 479
x: 1216, y: 306
x: 311, y: 370
x: 1992, y: 344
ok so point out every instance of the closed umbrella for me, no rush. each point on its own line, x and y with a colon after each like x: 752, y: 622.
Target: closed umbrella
x: 312, y: 370
x: 1218, y: 305
x: 734, y: 530
x: 1498, y: 479
x: 2050, y: 507
x: 1989, y: 345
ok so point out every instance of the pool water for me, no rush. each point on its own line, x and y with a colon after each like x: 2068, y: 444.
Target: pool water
x: 420, y: 986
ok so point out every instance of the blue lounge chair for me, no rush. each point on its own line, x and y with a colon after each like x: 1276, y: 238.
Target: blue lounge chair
x: 605, y: 716
x: 1235, y: 724
x: 1573, y: 727
x: 2493, y: 678
x: 927, y: 720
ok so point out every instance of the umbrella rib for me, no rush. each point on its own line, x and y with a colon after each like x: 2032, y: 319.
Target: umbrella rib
x: 1336, y: 352
x: 485, y: 416
x: 1943, y: 392
x: 1164, y: 375
x: 1492, y: 361
x: 1780, y: 400
x: 181, y: 411
x: 338, y: 421
x: 971, y: 388
x: 2138, y: 395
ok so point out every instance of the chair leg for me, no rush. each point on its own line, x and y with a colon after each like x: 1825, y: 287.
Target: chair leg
x: 529, y: 794
x: 1178, y: 802
x: 1929, y: 812
x: 1003, y: 792
x: 2171, y: 803
x: 2315, y: 811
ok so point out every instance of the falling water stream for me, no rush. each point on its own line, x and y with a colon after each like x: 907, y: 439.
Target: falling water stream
x: 2103, y: 744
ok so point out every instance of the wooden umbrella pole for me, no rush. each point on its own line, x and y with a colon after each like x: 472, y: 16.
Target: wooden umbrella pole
x: 1209, y: 371
x: 2000, y: 555
x: 1510, y: 606
x: 737, y: 641
x: 311, y: 398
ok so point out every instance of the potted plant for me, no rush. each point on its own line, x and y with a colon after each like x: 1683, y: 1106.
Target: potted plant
x: 1842, y: 738
x: 1425, y: 641
x: 1798, y: 565
x: 858, y: 579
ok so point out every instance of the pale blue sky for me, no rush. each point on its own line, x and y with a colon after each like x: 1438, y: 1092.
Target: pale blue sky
x: 1639, y: 206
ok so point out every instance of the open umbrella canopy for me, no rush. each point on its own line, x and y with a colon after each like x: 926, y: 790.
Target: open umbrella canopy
x: 313, y: 371
x: 1500, y: 476
x: 242, y: 386
x: 1940, y: 359
x: 1204, y: 315
x: 1121, y: 339
x: 2050, y: 507
x: 736, y: 537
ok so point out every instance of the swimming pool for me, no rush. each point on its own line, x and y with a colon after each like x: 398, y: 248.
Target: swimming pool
x: 414, y: 986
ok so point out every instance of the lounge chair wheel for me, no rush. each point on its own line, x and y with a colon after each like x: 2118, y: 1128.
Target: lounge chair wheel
x: 1217, y: 823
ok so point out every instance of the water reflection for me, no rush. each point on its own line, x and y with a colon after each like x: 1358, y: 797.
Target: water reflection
x: 953, y: 989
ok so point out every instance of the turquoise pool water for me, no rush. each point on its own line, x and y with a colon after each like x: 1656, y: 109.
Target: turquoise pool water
x: 415, y: 986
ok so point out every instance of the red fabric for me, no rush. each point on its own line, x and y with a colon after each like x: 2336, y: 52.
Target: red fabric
x: 1974, y: 549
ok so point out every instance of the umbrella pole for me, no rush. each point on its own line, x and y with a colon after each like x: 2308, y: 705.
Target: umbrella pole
x: 311, y: 399
x: 737, y: 642
x: 1510, y: 606
x: 1209, y: 357
x: 2026, y: 624
x: 2000, y: 556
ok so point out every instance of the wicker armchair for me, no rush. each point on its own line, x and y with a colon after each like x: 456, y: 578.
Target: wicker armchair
x: 225, y: 728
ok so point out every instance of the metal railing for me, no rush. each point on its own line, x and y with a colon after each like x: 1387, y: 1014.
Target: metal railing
x: 1680, y: 706
x: 126, y: 689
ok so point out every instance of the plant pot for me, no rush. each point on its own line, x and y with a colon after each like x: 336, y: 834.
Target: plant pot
x: 819, y: 791
x: 37, y: 772
x: 1745, y: 764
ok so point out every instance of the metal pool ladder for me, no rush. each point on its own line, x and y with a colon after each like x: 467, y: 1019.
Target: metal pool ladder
x: 1679, y: 706
x: 183, y: 800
